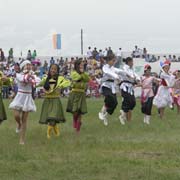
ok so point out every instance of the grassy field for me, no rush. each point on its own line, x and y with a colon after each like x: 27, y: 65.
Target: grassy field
x: 135, y: 151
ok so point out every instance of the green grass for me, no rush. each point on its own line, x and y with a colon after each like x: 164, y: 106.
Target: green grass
x: 135, y: 151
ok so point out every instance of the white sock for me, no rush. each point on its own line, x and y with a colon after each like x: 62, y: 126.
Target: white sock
x: 124, y: 116
x: 148, y: 119
x: 103, y: 110
x: 145, y: 118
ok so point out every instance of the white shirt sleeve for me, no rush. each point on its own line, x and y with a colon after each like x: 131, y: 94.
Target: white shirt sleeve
x: 109, y: 72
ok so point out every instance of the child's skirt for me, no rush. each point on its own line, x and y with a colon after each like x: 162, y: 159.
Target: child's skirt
x: 77, y: 103
x: 2, y: 110
x: 23, y: 102
x: 163, y: 98
x: 52, y: 111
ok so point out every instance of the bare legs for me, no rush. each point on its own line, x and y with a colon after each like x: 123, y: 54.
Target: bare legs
x: 129, y: 115
x: 23, y: 127
x: 18, y: 120
x: 21, y: 120
x: 161, y: 112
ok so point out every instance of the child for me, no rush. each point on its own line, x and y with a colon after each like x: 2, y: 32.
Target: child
x: 94, y: 86
x: 23, y: 102
x: 147, y: 93
x: 110, y: 75
x: 163, y: 97
x: 77, y: 98
x: 127, y: 91
x: 52, y: 110
x: 176, y: 91
x: 3, y: 115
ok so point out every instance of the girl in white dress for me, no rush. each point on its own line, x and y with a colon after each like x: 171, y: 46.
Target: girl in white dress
x: 23, y: 102
x: 163, y: 97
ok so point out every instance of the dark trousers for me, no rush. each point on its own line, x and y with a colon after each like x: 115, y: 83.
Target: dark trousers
x: 128, y: 101
x: 146, y: 107
x: 110, y: 100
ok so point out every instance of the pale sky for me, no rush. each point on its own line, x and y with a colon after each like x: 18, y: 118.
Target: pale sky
x: 29, y: 24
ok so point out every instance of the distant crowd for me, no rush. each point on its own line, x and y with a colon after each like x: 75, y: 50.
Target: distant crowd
x: 93, y: 63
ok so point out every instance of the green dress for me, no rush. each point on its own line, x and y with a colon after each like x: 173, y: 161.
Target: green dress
x: 52, y: 110
x: 3, y: 115
x: 77, y: 98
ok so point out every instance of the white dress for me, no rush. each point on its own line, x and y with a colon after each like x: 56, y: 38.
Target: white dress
x: 163, y: 97
x: 23, y: 100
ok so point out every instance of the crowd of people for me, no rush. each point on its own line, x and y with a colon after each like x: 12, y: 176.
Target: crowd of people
x: 79, y: 78
x: 93, y: 63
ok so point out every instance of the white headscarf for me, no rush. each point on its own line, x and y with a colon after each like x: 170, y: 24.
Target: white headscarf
x: 24, y: 63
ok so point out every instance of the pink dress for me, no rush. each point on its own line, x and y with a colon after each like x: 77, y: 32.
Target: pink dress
x: 176, y: 93
x: 147, y: 90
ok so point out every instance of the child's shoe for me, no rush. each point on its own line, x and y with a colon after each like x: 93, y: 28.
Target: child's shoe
x: 105, y: 119
x: 101, y: 116
x: 122, y: 117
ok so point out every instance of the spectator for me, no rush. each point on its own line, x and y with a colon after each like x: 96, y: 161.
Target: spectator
x: 118, y: 58
x: 105, y: 52
x: 101, y: 54
x: 61, y: 62
x: 52, y: 61
x: 170, y: 58
x: 2, y: 57
x: 136, y: 52
x: 144, y: 53
x: 85, y: 64
x: 109, y: 52
x: 174, y: 59
x: 95, y: 53
x: 29, y: 56
x: 89, y: 53
x: 147, y: 58
x: 10, y: 57
x: 34, y: 55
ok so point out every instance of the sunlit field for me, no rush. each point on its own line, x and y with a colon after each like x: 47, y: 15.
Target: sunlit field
x: 135, y: 151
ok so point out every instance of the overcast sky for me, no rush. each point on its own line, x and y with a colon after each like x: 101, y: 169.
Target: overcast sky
x: 29, y: 24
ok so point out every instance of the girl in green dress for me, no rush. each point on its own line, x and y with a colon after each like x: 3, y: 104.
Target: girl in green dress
x: 52, y: 110
x: 77, y: 99
x: 3, y: 115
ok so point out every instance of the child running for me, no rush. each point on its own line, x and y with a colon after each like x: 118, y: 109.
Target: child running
x: 77, y: 98
x: 147, y: 93
x: 163, y: 97
x: 110, y: 75
x: 127, y: 91
x: 52, y: 110
x: 23, y: 103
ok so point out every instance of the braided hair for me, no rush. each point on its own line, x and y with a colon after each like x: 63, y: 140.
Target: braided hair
x: 47, y: 85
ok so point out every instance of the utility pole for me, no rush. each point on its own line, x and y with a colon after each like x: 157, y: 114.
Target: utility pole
x: 82, y: 42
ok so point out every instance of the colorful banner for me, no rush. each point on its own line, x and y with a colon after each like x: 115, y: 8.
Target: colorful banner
x: 57, y: 41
